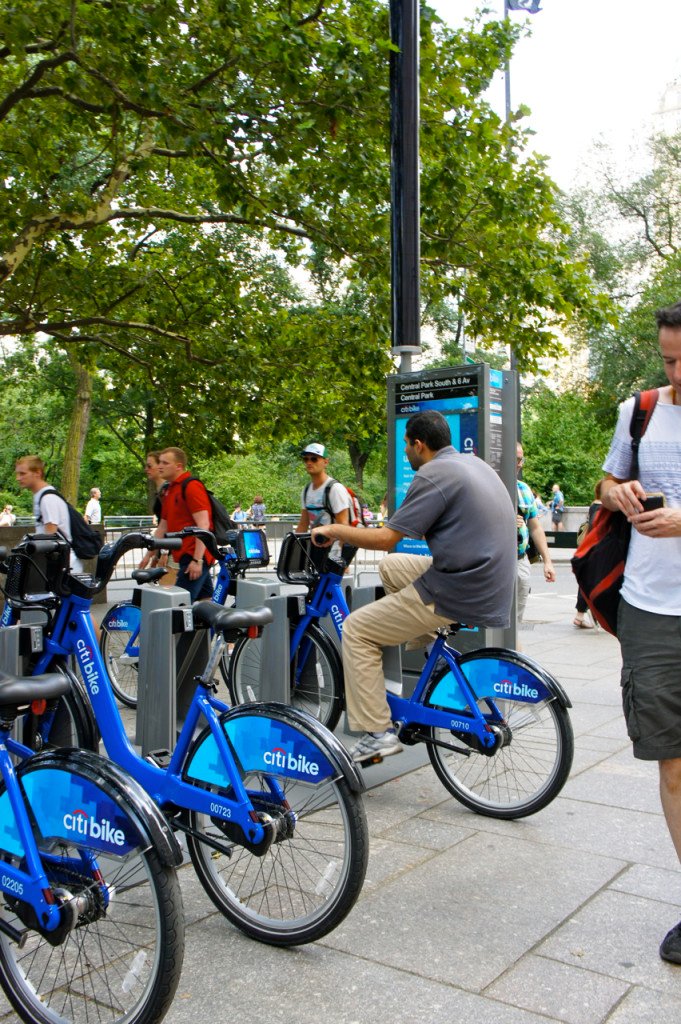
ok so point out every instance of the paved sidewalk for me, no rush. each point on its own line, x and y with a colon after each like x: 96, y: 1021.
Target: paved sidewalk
x: 553, y: 918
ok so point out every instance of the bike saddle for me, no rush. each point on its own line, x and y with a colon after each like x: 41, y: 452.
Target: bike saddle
x: 16, y: 690
x: 213, y: 615
x: 148, y: 575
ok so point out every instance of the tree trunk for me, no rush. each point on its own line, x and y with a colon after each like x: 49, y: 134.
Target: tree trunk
x: 359, y: 461
x: 148, y: 447
x: 78, y: 427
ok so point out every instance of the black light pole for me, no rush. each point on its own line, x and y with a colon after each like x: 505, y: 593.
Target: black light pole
x: 404, y: 181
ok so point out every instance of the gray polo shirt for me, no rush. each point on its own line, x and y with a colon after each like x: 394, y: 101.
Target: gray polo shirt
x: 464, y: 512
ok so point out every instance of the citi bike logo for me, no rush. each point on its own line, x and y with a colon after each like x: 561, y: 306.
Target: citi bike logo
x: 83, y: 824
x: 90, y: 673
x: 509, y: 689
x: 337, y: 615
x: 280, y: 758
x: 117, y: 624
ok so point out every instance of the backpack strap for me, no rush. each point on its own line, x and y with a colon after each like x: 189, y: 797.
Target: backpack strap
x: 644, y: 406
x: 50, y: 490
x: 326, y: 501
x: 193, y: 479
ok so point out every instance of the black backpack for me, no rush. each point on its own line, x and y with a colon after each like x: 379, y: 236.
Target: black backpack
x: 85, y: 541
x: 222, y: 523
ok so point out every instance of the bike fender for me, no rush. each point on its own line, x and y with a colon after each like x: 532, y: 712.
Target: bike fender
x: 273, y: 737
x: 513, y: 664
x: 122, y: 617
x: 111, y: 795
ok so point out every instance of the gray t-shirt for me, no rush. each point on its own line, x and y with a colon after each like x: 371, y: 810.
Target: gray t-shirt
x: 464, y: 512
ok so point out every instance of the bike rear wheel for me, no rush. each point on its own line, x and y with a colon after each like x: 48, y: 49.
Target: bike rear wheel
x: 316, y: 675
x: 310, y: 877
x: 525, y: 773
x: 121, y: 966
x: 121, y: 666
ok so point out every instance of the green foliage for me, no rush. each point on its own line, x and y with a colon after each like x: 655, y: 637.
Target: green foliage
x: 564, y: 443
x: 278, y: 475
x: 166, y: 165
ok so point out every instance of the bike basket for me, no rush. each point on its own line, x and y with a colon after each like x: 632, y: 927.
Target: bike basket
x: 299, y: 560
x: 37, y: 577
x: 251, y: 549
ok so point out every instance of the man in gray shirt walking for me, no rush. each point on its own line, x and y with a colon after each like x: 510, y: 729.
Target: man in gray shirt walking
x: 458, y: 504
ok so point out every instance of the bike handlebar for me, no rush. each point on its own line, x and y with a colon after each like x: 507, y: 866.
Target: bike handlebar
x: 203, y: 535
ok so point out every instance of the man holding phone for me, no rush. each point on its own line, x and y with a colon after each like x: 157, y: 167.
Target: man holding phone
x: 649, y: 617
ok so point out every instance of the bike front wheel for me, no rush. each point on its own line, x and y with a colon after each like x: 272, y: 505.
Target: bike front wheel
x: 524, y: 774
x: 316, y: 677
x: 121, y: 962
x: 309, y: 878
x: 120, y: 652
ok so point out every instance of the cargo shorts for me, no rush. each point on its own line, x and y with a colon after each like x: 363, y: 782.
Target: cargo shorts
x: 651, y: 681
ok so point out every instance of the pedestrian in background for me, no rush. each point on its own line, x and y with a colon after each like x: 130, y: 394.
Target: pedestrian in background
x: 257, y: 511
x: 93, y: 509
x: 7, y: 517
x: 557, y: 508
x: 581, y: 608
x: 529, y: 527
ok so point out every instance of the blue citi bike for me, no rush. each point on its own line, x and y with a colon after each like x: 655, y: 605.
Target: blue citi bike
x: 268, y: 800
x: 91, y: 922
x: 495, y: 723
x: 120, y: 627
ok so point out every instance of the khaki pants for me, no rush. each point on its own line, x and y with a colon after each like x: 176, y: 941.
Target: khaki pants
x: 396, y: 618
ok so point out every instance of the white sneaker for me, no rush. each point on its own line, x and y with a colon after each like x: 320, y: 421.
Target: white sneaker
x: 371, y: 743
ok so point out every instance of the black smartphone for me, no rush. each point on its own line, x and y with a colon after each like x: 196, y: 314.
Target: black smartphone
x: 653, y: 501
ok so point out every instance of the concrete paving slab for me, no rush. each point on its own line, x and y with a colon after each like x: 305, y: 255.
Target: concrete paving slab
x: 618, y: 935
x: 315, y: 983
x: 641, y: 1006
x: 479, y: 907
x: 559, y: 990
x: 593, y: 719
x: 626, y: 835
x: 615, y: 782
x: 651, y: 883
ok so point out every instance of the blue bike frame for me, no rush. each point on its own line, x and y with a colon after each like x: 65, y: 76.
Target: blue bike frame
x: 73, y: 633
x: 128, y: 617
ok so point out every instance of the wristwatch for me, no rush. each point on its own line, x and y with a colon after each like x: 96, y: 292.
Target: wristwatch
x: 199, y: 561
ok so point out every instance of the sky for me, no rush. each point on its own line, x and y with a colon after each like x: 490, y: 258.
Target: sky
x: 590, y: 69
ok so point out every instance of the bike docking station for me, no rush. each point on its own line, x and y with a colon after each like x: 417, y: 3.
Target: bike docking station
x: 17, y: 644
x: 254, y: 592
x: 164, y: 689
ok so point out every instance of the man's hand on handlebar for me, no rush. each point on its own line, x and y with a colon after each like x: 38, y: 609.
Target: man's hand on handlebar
x: 322, y: 536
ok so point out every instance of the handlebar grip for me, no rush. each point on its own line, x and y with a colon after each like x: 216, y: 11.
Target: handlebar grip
x: 165, y: 544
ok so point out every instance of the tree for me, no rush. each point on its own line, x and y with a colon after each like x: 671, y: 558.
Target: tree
x: 148, y: 146
x: 564, y: 443
x: 631, y: 235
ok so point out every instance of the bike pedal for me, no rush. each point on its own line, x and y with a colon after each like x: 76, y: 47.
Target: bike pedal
x: 370, y: 759
x: 161, y: 758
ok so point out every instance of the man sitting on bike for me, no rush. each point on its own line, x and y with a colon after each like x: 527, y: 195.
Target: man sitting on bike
x: 459, y: 505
